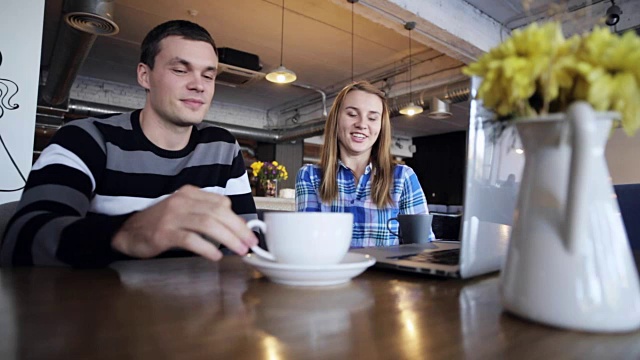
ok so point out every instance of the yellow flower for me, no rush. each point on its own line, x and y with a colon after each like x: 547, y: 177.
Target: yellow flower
x: 268, y: 171
x: 537, y: 71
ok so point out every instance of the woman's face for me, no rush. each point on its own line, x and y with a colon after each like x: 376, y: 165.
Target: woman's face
x: 359, y: 123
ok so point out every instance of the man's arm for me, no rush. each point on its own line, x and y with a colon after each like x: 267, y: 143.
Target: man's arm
x: 51, y: 225
x: 54, y: 224
x: 238, y: 188
x: 192, y: 218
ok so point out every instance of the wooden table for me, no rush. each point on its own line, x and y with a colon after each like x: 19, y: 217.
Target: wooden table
x: 188, y: 308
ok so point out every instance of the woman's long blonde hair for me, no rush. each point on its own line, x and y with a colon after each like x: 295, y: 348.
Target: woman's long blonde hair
x: 382, y: 166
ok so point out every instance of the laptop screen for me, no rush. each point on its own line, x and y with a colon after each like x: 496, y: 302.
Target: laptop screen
x: 494, y: 165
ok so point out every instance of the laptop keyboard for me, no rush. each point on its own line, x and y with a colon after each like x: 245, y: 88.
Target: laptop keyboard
x: 444, y: 257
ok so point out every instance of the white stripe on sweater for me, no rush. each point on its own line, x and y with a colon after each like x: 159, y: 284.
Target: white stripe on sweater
x: 118, y: 205
x: 238, y: 186
x: 55, y: 154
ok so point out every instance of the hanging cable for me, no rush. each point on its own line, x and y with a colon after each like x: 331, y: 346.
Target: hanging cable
x: 352, y: 41
x: 409, y: 26
x: 282, y: 36
x: 352, y: 37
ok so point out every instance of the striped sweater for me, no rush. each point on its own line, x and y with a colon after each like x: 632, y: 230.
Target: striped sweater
x: 96, y: 173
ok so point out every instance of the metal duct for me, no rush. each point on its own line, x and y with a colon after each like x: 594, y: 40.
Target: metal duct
x: 452, y: 94
x: 88, y: 109
x: 84, y: 20
x: 457, y: 95
x: 308, y: 129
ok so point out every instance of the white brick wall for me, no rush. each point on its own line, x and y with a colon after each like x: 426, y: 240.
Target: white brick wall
x: 233, y: 114
x: 133, y: 97
x: 117, y: 94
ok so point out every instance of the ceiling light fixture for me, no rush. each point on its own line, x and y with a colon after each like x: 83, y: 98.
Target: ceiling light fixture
x: 613, y: 14
x: 282, y: 75
x: 439, y: 109
x: 411, y: 109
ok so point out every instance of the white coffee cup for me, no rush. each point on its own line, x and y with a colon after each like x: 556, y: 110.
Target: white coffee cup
x: 311, y: 238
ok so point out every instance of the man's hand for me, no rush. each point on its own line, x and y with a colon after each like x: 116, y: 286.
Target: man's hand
x: 183, y: 220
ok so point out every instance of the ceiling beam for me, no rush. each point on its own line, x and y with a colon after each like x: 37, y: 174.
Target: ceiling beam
x: 584, y: 19
x: 453, y: 27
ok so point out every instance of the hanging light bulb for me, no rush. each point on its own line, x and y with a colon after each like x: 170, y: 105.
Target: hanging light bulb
x: 282, y: 75
x: 411, y: 109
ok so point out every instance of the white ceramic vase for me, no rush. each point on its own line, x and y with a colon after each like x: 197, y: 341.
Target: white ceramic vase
x: 569, y: 262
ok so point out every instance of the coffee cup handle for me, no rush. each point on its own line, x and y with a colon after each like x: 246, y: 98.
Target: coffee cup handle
x: 257, y: 249
x: 388, y: 228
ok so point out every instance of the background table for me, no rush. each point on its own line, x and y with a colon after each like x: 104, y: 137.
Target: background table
x: 188, y: 308
x: 277, y: 204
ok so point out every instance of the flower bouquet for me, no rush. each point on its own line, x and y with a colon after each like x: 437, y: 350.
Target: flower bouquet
x: 538, y: 71
x: 268, y: 174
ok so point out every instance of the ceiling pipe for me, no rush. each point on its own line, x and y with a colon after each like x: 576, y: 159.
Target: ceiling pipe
x: 452, y: 94
x: 324, y: 96
x: 308, y: 129
x: 457, y: 95
x: 83, y: 21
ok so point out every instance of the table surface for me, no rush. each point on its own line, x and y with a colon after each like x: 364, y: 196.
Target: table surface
x: 189, y: 308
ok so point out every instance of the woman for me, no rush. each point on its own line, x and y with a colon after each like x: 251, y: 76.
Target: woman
x: 356, y: 173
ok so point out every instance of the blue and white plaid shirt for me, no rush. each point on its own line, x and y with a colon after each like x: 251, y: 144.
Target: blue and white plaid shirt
x: 369, y: 222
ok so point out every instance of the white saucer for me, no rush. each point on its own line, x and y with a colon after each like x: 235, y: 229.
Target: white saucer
x: 351, y: 266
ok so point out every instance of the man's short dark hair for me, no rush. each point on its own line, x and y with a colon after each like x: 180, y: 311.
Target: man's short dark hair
x: 186, y: 29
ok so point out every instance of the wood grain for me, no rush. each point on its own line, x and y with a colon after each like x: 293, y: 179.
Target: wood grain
x: 189, y: 308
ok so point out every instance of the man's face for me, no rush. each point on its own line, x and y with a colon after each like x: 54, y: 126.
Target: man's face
x: 182, y: 83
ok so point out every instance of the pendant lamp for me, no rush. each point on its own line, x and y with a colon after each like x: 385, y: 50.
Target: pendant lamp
x: 282, y: 75
x: 439, y: 109
x: 411, y: 109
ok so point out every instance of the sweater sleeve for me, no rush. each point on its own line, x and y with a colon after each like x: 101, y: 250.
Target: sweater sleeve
x: 53, y: 225
x: 238, y: 188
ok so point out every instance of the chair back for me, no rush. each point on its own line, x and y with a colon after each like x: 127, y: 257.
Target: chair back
x: 629, y: 202
x: 6, y: 212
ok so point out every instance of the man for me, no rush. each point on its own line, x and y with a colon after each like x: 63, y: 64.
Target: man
x: 132, y: 185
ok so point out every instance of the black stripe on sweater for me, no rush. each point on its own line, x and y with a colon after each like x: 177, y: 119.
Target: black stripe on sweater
x: 242, y: 204
x: 79, y: 142
x: 22, y: 251
x: 152, y: 186
x: 60, y: 175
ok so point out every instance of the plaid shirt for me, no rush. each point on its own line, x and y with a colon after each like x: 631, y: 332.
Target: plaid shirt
x: 369, y: 222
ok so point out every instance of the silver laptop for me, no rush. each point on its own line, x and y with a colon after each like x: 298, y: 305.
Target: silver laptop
x: 493, y: 171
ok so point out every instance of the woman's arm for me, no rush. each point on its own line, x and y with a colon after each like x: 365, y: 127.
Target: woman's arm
x: 307, y: 185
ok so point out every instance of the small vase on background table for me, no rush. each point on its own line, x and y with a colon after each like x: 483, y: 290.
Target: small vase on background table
x: 270, y: 188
